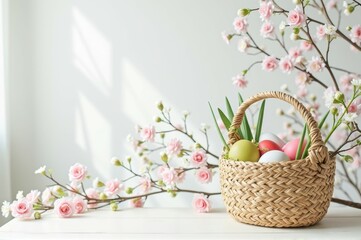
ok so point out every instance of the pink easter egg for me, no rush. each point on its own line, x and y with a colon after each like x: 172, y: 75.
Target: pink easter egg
x: 290, y: 149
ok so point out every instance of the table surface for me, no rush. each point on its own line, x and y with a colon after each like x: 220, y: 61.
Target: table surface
x: 176, y: 223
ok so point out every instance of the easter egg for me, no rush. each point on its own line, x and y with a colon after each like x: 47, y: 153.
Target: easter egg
x: 274, y: 156
x: 272, y: 137
x: 267, y: 145
x: 244, y: 150
x: 290, y: 149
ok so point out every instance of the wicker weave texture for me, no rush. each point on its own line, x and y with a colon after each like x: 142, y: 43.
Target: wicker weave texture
x: 286, y: 194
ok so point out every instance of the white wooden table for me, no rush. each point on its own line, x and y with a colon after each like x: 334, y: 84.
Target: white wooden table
x: 163, y: 223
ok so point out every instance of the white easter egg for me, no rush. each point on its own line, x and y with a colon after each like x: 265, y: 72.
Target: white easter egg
x: 272, y: 137
x: 273, y: 156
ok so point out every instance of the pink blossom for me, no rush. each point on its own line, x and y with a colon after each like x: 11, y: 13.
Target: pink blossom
x: 302, y: 92
x: 148, y: 133
x: 33, y: 196
x: 169, y: 176
x: 240, y: 81
x: 180, y: 175
x: 179, y: 126
x: 315, y: 65
x: 136, y: 203
x: 198, y: 158
x: 294, y: 53
x: 145, y: 184
x: 328, y: 95
x: 77, y: 173
x: 267, y: 30
x: 64, y: 207
x: 201, y: 203
x: 301, y: 79
x: 265, y: 10
x: 21, y: 208
x: 296, y: 17
x: 286, y: 64
x: 243, y: 44
x: 345, y: 81
x: 161, y: 170
x: 355, y: 106
x: 221, y: 124
x: 174, y: 147
x: 356, y: 162
x: 331, y: 4
x: 320, y: 32
x: 226, y: 37
x: 355, y: 34
x: 80, y: 204
x: 93, y: 194
x: 204, y: 175
x: 306, y: 45
x: 269, y: 63
x: 113, y: 187
x: 240, y: 24
x: 47, y: 197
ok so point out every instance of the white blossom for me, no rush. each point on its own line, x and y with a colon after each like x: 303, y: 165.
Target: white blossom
x: 349, y: 117
x: 356, y: 82
x: 41, y: 170
x: 20, y: 195
x: 5, y: 209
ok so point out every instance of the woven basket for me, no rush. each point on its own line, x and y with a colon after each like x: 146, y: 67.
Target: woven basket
x: 285, y: 194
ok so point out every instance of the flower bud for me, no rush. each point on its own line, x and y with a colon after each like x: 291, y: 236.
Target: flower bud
x: 129, y: 190
x: 162, y: 135
x: 157, y: 119
x: 164, y: 157
x: 37, y: 215
x: 347, y: 158
x: 297, y: 2
x: 180, y: 154
x: 185, y: 114
x: 294, y: 36
x: 172, y: 193
x: 129, y: 159
x: 161, y: 183
x: 244, y: 72
x: 243, y: 12
x: 296, y: 30
x: 103, y: 196
x: 334, y: 110
x: 116, y: 162
x: 280, y: 112
x: 339, y: 97
x: 313, y: 97
x: 348, y: 28
x: 197, y: 146
x: 114, y: 206
x: 160, y: 106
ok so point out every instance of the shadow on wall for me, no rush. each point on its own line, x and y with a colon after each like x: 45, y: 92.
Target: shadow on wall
x: 92, y: 70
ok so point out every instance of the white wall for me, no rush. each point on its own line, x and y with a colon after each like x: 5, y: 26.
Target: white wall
x: 83, y: 73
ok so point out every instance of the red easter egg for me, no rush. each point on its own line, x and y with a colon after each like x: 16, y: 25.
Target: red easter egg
x: 268, y: 145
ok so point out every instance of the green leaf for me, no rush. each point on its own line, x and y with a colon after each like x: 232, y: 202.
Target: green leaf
x: 300, y: 144
x: 320, y: 124
x: 308, y: 144
x: 245, y: 128
x: 260, y: 121
x: 219, y: 130
x: 225, y: 120
x: 229, y: 110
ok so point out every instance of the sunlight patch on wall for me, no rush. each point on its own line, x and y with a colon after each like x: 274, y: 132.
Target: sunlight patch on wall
x: 92, y: 53
x: 94, y: 130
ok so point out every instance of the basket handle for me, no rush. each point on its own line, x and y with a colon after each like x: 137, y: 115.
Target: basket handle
x: 317, y: 145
